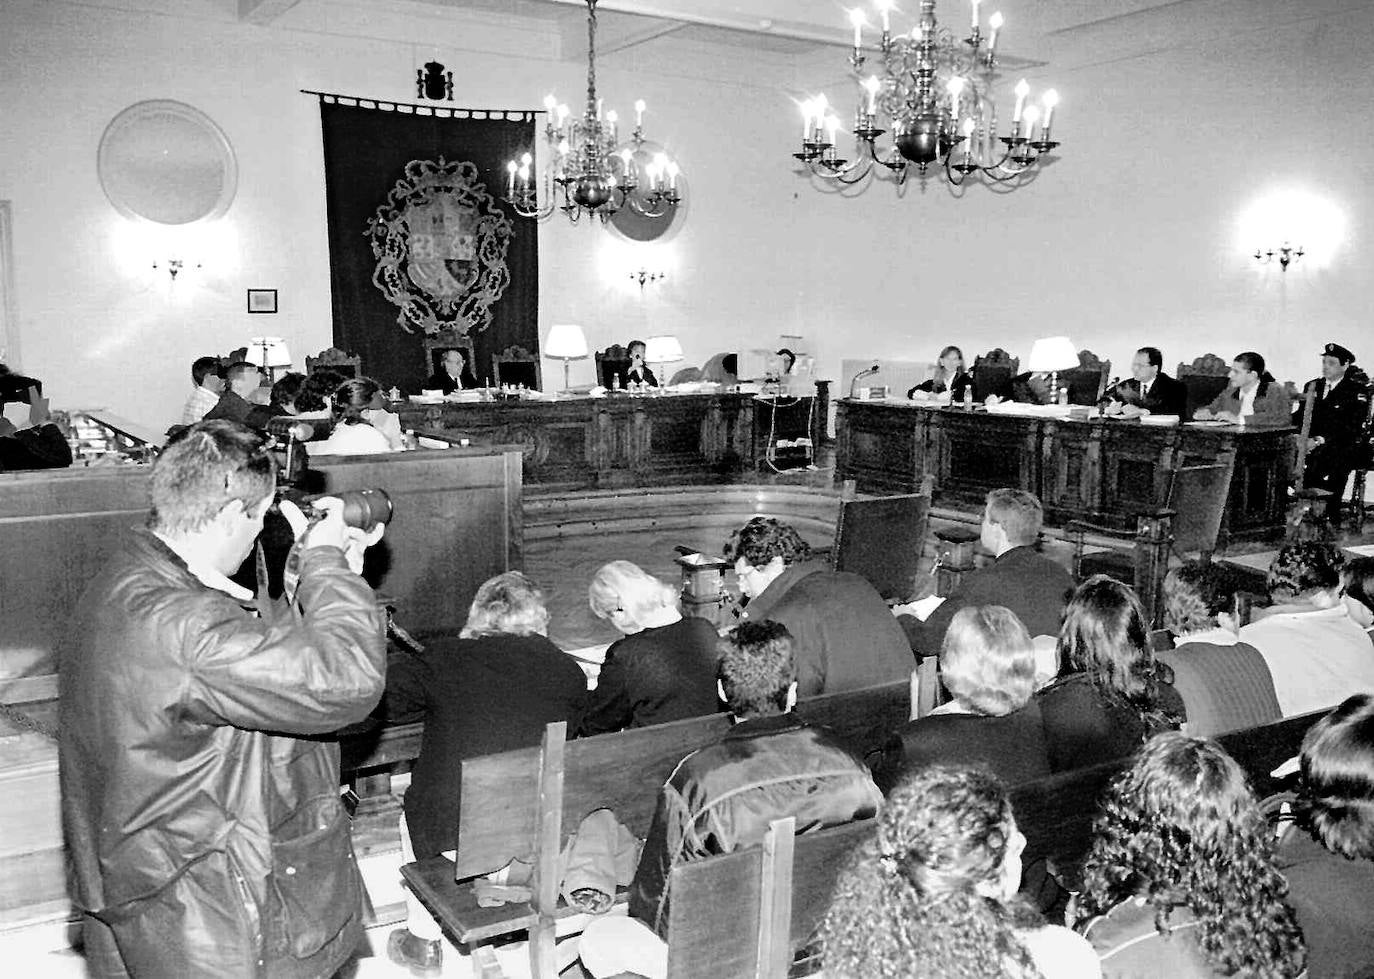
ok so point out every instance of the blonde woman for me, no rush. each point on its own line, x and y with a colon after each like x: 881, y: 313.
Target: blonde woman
x: 987, y: 663
x: 664, y: 668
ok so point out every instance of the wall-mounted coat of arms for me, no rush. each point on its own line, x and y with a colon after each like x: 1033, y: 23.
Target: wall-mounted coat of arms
x: 440, y: 242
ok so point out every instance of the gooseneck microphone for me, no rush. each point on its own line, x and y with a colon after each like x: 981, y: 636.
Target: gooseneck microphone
x: 863, y: 373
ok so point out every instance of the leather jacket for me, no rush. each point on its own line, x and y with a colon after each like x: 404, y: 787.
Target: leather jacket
x: 721, y: 798
x: 203, y: 821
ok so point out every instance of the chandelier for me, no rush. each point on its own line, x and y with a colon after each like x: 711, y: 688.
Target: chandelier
x: 589, y: 171
x: 934, y: 93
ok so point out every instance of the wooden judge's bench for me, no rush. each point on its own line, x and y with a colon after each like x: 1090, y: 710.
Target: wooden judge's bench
x: 1102, y: 470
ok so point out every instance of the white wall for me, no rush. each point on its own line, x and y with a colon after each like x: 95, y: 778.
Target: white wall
x: 1130, y: 238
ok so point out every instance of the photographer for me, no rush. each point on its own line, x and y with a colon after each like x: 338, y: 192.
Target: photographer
x: 203, y: 820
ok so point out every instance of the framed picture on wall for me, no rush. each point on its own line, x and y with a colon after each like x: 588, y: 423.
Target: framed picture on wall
x: 262, y: 300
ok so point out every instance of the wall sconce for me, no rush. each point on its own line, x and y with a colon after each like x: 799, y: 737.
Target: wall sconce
x: 643, y: 276
x: 1285, y: 253
x: 174, y: 267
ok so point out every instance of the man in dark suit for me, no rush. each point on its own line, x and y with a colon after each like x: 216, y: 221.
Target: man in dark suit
x: 1339, y: 408
x: 452, y: 375
x: 1148, y: 391
x: 242, y: 380
x: 1020, y: 578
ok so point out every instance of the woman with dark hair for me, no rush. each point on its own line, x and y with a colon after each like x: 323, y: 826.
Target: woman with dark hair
x: 1111, y: 695
x: 950, y: 375
x: 934, y: 893
x: 1328, y: 855
x: 285, y: 392
x: 1181, y: 874
x: 492, y: 688
x: 353, y: 434
x: 1252, y: 396
x: 318, y: 391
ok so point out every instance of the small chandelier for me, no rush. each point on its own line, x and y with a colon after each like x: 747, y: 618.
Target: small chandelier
x: 936, y: 108
x: 590, y: 172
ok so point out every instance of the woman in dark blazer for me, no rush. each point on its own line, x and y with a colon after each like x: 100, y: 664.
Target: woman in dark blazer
x: 1111, y: 695
x: 491, y: 689
x: 950, y: 375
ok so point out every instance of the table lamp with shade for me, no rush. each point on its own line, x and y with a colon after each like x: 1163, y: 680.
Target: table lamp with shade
x: 1050, y: 355
x: 661, y: 351
x: 568, y: 342
x: 269, y: 353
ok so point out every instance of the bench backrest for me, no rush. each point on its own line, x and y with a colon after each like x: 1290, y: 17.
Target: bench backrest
x: 708, y: 936
x: 499, y: 812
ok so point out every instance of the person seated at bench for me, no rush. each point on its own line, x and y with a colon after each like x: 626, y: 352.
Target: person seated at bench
x: 42, y: 445
x: 318, y: 393
x: 1181, y: 880
x: 1225, y: 683
x: 1317, y: 654
x: 1035, y: 588
x: 845, y: 636
x: 988, y: 665
x: 1111, y: 695
x: 206, y: 387
x: 490, y: 689
x: 934, y: 892
x: 664, y: 669
x: 721, y: 798
x: 1328, y: 856
x: 285, y: 393
x: 353, y: 434
x: 1357, y: 591
x: 241, y: 383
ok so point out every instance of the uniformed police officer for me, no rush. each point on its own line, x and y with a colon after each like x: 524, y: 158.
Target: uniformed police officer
x: 1339, y: 408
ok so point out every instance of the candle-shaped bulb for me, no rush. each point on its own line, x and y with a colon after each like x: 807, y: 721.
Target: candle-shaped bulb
x: 885, y: 12
x: 832, y: 126
x: 626, y: 157
x: 968, y: 126
x: 562, y: 114
x: 871, y: 86
x: 639, y: 112
x: 995, y: 22
x: 1032, y: 115
x: 808, y: 110
x: 672, y: 175
x: 612, y: 117
x: 526, y: 159
x: 1022, y: 89
x: 510, y: 178
x: 564, y: 147
x: 976, y: 4
x: 550, y: 102
x: 524, y: 172
x: 1049, y: 100
x: 857, y: 18
x: 511, y: 167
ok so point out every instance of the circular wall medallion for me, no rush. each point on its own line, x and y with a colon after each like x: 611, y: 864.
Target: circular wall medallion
x: 167, y: 162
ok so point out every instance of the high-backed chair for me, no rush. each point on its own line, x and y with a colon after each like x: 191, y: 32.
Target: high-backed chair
x: 1088, y: 380
x: 1204, y: 378
x: 882, y: 539
x: 992, y: 373
x: 613, y: 361
x: 516, y: 365
x: 437, y: 343
x: 335, y: 359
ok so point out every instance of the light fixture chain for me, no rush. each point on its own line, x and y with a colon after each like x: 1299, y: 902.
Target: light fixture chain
x: 591, y: 58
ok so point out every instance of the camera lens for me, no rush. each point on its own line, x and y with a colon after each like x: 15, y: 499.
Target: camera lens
x: 365, y: 508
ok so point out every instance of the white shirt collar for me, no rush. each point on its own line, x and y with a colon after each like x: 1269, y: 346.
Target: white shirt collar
x: 206, y: 575
x: 1216, y: 637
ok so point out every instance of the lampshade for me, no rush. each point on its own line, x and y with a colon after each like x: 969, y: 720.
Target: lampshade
x: 565, y: 340
x: 268, y: 352
x: 1052, y: 354
x: 662, y: 350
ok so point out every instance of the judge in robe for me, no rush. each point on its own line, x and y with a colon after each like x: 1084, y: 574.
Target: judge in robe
x: 1252, y: 397
x: 452, y: 375
x: 1148, y: 391
x: 1340, y: 406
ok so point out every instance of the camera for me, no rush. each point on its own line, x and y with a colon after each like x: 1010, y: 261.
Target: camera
x: 362, y: 509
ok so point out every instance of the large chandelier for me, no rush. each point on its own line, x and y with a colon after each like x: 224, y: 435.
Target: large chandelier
x: 934, y: 93
x: 589, y: 171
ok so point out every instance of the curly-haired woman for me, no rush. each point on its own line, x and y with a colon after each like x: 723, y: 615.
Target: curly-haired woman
x: 933, y: 894
x: 1328, y: 857
x: 1111, y: 694
x: 1181, y: 874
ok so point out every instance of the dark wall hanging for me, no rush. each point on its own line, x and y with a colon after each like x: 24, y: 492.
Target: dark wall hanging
x: 422, y: 252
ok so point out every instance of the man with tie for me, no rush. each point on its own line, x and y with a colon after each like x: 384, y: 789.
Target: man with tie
x: 1148, y: 391
x: 1339, y: 407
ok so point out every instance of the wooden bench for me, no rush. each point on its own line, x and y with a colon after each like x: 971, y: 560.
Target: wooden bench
x: 523, y: 804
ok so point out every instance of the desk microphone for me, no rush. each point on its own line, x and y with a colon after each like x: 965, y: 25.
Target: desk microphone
x: 863, y: 373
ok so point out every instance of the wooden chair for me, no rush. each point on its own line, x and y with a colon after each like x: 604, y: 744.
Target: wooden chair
x: 335, y: 359
x: 1187, y: 520
x: 613, y: 361
x: 992, y: 373
x: 1205, y: 378
x: 436, y: 344
x: 516, y: 365
x: 882, y: 539
x: 684, y: 376
x: 1088, y: 380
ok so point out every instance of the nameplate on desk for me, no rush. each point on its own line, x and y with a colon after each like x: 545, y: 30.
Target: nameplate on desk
x: 877, y: 392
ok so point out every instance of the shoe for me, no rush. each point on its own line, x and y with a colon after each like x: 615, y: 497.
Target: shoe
x: 423, y: 957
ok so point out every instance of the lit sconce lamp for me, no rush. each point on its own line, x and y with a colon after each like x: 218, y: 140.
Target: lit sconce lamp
x: 174, y: 267
x: 1285, y: 254
x: 269, y: 353
x: 1050, y: 355
x: 660, y: 351
x: 644, y: 275
x: 566, y: 341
